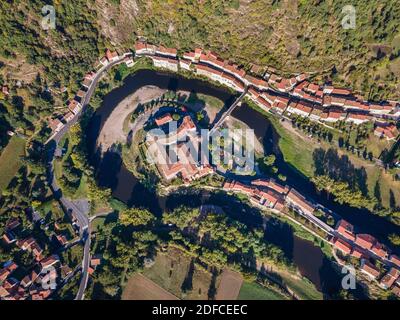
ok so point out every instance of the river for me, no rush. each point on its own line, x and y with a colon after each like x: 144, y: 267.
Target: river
x: 309, y: 258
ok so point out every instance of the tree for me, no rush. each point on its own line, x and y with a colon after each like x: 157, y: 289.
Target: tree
x: 394, y: 239
x: 136, y: 217
x: 269, y: 160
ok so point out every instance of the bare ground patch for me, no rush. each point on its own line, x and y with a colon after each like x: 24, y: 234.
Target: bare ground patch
x: 113, y: 129
x: 229, y: 287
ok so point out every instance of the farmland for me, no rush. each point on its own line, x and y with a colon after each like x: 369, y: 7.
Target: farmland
x: 10, y: 160
x: 175, y: 272
x: 141, y: 288
x: 254, y: 291
x: 229, y: 286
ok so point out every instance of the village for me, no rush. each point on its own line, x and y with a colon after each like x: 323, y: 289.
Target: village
x: 44, y: 271
x: 294, y: 96
x: 271, y: 93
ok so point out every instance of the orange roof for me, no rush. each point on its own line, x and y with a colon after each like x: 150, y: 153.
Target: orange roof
x: 365, y: 241
x: 343, y: 246
x: 379, y: 250
x: 140, y: 46
x: 370, y: 269
x: 163, y: 119
x: 299, y: 200
x: 395, y: 259
x: 357, y: 253
x: 346, y: 229
x: 111, y: 54
x: 171, y: 51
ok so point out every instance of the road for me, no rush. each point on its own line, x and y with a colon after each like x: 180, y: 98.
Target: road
x: 79, y: 215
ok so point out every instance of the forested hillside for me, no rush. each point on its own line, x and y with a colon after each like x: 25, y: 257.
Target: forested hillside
x: 290, y: 35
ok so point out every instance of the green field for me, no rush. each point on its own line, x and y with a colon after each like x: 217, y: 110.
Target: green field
x: 10, y: 160
x: 254, y: 291
x: 295, y: 150
x: 303, y: 288
x: 170, y: 270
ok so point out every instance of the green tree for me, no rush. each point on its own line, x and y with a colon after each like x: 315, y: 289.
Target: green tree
x: 136, y: 217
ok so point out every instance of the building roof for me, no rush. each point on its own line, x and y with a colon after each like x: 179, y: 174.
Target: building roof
x: 343, y: 246
x: 111, y: 54
x: 395, y: 259
x: 370, y: 269
x: 300, y: 200
x: 165, y: 118
x: 365, y: 241
x: 345, y: 229
x: 357, y: 253
x: 49, y: 261
x: 390, y: 278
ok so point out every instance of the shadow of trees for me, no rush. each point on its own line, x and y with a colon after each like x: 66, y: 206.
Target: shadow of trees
x: 330, y: 163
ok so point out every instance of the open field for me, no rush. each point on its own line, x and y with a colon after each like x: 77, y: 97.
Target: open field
x: 9, y: 160
x: 229, y: 285
x: 255, y: 291
x: 302, y: 287
x: 141, y: 288
x: 173, y: 271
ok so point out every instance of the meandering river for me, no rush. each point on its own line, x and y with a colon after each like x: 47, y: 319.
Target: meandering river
x: 112, y: 173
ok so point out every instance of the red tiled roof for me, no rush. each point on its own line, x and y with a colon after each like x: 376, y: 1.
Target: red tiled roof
x: 299, y: 200
x: 357, y: 253
x: 343, y: 246
x: 379, y: 250
x: 163, y: 119
x: 346, y: 229
x: 370, y: 269
x: 389, y: 278
x: 365, y: 241
x: 395, y: 259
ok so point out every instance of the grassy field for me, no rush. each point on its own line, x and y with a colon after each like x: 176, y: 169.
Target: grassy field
x: 255, y: 291
x: 141, y: 288
x: 211, y: 101
x: 302, y: 287
x: 296, y: 151
x: 10, y: 160
x: 172, y: 268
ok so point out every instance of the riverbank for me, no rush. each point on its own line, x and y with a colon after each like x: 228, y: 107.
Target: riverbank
x: 113, y: 129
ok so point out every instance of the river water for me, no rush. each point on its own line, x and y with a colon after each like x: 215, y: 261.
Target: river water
x: 309, y: 258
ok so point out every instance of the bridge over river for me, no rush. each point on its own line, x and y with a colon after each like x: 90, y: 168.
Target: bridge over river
x: 226, y: 114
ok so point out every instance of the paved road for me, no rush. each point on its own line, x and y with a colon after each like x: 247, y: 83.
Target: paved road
x: 79, y: 215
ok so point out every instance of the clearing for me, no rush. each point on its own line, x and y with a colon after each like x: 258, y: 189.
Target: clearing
x: 174, y: 271
x: 255, y: 291
x: 10, y: 160
x: 141, y: 288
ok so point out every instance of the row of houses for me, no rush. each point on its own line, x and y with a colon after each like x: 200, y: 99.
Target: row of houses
x: 271, y: 194
x: 295, y: 96
x: 366, y: 247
